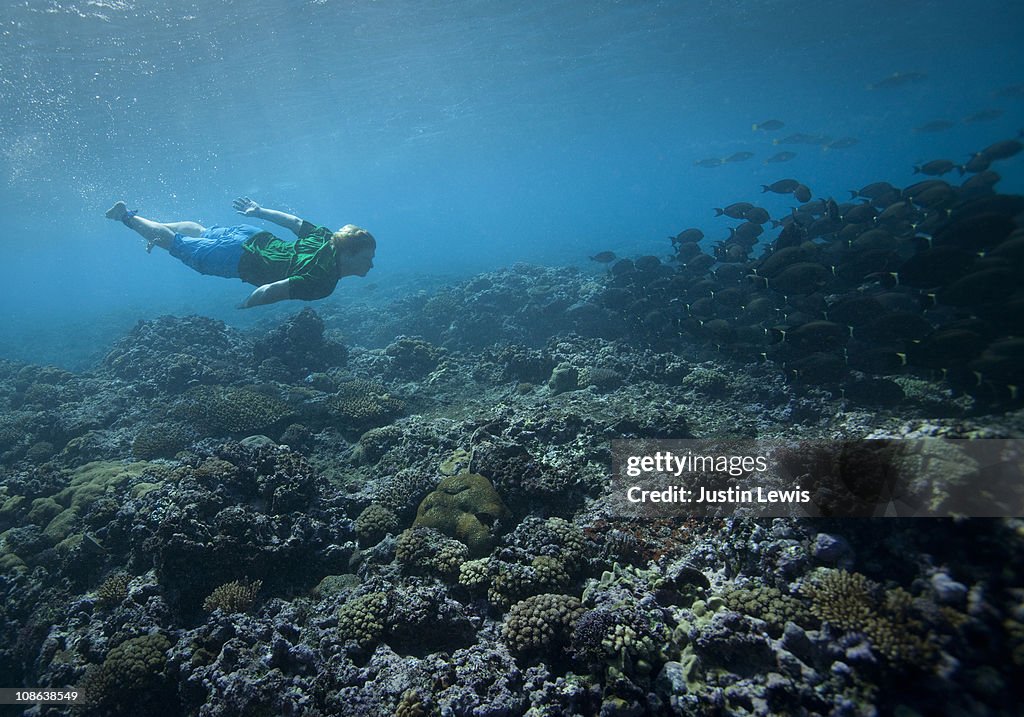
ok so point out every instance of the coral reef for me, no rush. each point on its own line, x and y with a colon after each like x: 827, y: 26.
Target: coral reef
x: 418, y: 522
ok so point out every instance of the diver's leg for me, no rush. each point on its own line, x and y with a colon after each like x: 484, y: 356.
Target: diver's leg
x: 189, y: 229
x: 161, y: 235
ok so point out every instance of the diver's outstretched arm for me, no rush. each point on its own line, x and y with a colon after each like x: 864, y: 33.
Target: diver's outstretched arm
x: 268, y: 294
x: 249, y: 208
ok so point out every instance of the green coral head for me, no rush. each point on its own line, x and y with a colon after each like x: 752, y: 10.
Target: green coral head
x: 465, y: 507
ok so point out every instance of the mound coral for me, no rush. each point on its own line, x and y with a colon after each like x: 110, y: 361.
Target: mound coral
x: 230, y: 411
x: 541, y: 623
x: 466, y: 507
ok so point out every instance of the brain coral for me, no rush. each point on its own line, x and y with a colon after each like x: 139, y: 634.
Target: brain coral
x: 466, y: 507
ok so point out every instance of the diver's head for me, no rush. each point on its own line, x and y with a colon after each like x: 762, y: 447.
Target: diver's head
x: 355, y: 248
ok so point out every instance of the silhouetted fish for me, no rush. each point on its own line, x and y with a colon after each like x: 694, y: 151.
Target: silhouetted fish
x: 770, y: 125
x: 688, y: 235
x: 802, y: 193
x: 872, y: 191
x: 1011, y: 92
x: 604, y: 257
x: 737, y: 210
x: 984, y: 116
x: 934, y: 126
x: 739, y: 157
x: 935, y: 168
x: 798, y: 138
x: 783, y: 186
x: 1001, y: 150
x: 710, y: 162
x: 897, y: 79
x: 842, y: 143
x: 780, y: 157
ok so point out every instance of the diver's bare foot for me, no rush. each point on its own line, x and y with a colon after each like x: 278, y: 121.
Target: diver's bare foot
x: 117, y: 212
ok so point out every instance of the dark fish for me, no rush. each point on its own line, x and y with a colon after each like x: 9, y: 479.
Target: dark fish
x: 757, y: 215
x: 854, y: 310
x: 770, y: 125
x: 842, y: 143
x: 897, y: 212
x: 934, y: 197
x: 872, y: 191
x: 877, y: 360
x: 981, y: 182
x: 774, y: 264
x: 1001, y: 150
x: 1013, y: 91
x: 622, y: 267
x: 924, y: 185
x: 747, y: 231
x: 688, y: 235
x: 780, y: 157
x: 935, y: 267
x: 710, y: 162
x: 977, y: 163
x: 604, y: 257
x: 858, y: 214
x: 975, y: 232
x: 893, y: 327
x: 824, y: 335
x: 797, y: 139
x: 802, y: 193
x: 946, y: 347
x: 934, y: 126
x: 935, y: 168
x: 818, y: 367
x: 647, y: 263
x: 980, y: 287
x: 874, y: 391
x: 983, y: 116
x: 783, y: 186
x: 700, y: 263
x: 801, y: 278
x: 737, y: 210
x: 897, y: 79
x: 687, y: 250
x: 739, y: 157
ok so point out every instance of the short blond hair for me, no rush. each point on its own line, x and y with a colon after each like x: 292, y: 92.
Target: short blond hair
x: 351, y: 239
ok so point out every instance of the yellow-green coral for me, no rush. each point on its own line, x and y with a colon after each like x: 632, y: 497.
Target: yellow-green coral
x: 87, y: 484
x: 235, y: 596
x: 360, y: 405
x: 541, y: 622
x: 513, y: 582
x: 230, y: 410
x: 374, y: 523
x: 363, y: 619
x: 464, y: 506
x: 161, y: 440
x: 425, y: 549
x: 768, y: 604
x: 113, y: 590
x: 852, y: 602
x: 475, y: 575
x: 130, y: 672
x: 456, y: 462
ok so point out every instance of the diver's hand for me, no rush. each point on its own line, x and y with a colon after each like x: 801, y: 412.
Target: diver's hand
x: 246, y: 207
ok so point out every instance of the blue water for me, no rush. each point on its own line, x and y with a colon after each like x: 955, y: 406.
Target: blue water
x: 465, y: 136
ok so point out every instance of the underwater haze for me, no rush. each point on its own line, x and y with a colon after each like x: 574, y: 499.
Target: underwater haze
x: 464, y: 135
